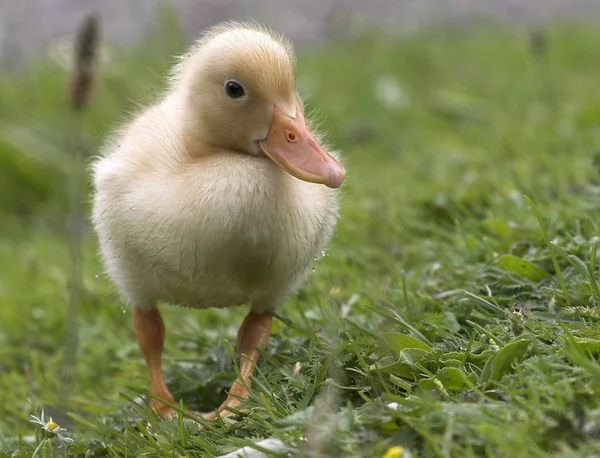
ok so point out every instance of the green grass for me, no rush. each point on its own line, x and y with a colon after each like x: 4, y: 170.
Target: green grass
x: 475, y: 189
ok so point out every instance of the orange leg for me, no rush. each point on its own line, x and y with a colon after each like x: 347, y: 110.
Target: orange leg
x: 254, y: 333
x: 150, y: 334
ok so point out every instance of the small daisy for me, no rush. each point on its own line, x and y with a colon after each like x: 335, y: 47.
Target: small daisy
x: 394, y: 452
x: 336, y: 292
x: 52, y: 429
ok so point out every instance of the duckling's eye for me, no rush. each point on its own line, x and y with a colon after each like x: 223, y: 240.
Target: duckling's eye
x: 234, y: 89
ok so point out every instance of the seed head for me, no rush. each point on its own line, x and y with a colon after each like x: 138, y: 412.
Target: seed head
x: 86, y: 51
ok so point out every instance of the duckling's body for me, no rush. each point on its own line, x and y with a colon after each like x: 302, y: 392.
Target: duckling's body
x: 214, y: 196
x: 217, y: 230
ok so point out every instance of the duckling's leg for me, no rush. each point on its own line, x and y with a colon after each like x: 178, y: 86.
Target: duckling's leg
x: 150, y: 334
x: 252, y: 335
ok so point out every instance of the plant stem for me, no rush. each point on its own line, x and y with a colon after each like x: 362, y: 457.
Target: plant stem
x: 39, y: 447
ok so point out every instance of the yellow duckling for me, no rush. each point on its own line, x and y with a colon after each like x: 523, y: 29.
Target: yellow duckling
x: 217, y: 195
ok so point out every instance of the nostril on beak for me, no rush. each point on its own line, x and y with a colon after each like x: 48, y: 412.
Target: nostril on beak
x: 291, y: 137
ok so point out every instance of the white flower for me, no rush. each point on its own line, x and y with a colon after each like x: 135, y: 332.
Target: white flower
x: 390, y: 93
x: 52, y: 429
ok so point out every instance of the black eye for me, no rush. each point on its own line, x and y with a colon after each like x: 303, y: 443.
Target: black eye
x: 234, y: 89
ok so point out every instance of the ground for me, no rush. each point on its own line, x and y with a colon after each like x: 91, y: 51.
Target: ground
x: 454, y: 315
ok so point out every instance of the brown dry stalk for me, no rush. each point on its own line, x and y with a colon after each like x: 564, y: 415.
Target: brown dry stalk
x: 82, y: 76
x: 86, y: 52
x: 538, y: 42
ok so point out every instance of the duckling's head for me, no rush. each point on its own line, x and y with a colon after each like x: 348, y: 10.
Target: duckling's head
x: 239, y: 86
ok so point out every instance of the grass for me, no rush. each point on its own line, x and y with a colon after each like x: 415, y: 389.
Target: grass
x: 461, y: 287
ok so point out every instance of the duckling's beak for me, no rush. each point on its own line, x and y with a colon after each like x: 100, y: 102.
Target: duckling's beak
x: 290, y: 144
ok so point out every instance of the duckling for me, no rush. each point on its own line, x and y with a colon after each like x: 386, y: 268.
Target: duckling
x: 217, y: 195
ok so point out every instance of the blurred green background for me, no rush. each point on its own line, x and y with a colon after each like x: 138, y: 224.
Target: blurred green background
x: 445, y: 132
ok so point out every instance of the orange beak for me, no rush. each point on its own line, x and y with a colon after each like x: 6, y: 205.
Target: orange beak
x: 290, y: 144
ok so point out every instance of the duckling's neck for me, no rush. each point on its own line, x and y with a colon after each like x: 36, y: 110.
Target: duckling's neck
x: 192, y: 130
x: 189, y: 129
